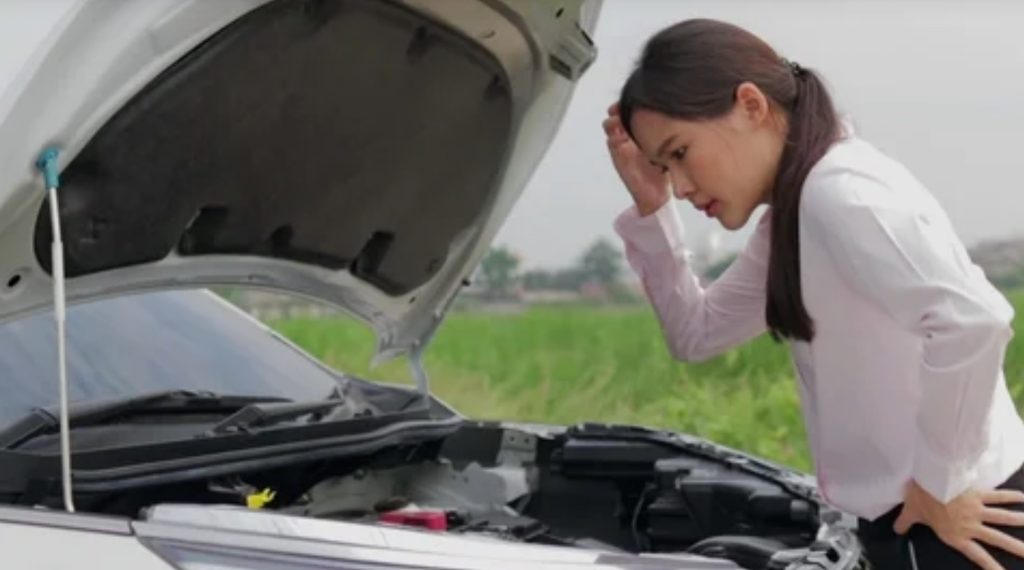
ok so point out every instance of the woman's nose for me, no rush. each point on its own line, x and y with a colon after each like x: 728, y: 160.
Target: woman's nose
x: 681, y: 186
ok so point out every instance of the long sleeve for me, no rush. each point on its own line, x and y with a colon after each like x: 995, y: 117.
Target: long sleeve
x: 697, y: 323
x: 897, y: 249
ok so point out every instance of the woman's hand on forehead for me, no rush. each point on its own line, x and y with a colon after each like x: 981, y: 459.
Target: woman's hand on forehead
x: 647, y: 183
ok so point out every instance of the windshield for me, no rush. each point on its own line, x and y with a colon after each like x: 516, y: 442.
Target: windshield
x: 151, y: 342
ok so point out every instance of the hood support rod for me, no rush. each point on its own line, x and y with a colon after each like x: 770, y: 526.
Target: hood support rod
x: 47, y: 164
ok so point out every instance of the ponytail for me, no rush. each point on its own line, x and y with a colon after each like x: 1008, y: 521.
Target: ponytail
x: 813, y: 127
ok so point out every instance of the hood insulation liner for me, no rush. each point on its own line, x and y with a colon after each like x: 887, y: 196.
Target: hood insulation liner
x: 348, y: 134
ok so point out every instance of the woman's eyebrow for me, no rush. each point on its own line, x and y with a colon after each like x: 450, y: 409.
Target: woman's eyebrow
x: 665, y: 145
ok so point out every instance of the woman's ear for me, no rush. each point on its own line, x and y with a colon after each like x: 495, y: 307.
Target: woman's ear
x: 751, y: 104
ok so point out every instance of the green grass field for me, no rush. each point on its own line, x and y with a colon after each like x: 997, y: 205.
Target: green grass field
x: 571, y: 364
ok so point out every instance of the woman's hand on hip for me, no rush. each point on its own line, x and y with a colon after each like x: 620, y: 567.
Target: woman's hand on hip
x: 964, y: 523
x: 646, y: 182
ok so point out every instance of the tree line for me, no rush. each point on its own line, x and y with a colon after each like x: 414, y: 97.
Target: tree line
x: 600, y: 265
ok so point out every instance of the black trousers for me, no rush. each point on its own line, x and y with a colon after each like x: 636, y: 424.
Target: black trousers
x: 889, y: 551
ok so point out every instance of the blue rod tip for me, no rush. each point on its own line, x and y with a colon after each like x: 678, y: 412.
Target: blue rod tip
x: 47, y: 163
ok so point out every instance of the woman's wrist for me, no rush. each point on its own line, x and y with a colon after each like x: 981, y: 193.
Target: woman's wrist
x: 647, y: 207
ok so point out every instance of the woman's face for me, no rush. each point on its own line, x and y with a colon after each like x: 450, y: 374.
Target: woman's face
x: 726, y: 166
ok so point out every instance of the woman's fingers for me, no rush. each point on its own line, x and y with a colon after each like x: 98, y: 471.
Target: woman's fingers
x: 1002, y: 497
x: 978, y: 555
x: 1001, y: 540
x: 614, y: 147
x: 614, y: 109
x: 617, y: 143
x: 611, y: 126
x: 1002, y: 517
x: 617, y: 139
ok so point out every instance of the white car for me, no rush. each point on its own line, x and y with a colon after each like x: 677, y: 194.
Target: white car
x: 359, y: 152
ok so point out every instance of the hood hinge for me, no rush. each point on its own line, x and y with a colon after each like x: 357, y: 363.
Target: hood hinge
x: 418, y: 372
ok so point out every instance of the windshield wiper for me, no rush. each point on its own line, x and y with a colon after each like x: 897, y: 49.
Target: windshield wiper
x: 266, y: 414
x: 41, y: 421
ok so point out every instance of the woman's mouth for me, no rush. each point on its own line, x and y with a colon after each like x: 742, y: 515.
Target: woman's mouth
x: 712, y: 209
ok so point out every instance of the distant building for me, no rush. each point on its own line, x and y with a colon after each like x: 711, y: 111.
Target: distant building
x: 1002, y: 261
x: 269, y: 305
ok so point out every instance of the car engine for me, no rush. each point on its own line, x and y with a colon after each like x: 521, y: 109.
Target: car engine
x: 618, y: 489
x: 613, y: 489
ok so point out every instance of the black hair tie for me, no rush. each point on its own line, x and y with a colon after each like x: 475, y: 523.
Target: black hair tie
x: 794, y: 68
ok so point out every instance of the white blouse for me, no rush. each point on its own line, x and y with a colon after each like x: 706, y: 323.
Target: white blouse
x: 903, y: 379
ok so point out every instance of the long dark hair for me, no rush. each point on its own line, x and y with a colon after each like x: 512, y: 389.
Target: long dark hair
x: 691, y: 71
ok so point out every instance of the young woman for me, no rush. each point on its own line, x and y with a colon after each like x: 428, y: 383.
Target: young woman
x: 897, y: 338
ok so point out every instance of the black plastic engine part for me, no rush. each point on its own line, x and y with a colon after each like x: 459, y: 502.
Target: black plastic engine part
x: 750, y: 552
x: 694, y: 501
x: 610, y: 458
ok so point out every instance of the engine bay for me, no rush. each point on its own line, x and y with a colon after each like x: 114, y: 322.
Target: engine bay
x: 615, y: 489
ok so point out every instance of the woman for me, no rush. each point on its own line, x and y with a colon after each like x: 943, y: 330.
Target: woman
x: 897, y: 338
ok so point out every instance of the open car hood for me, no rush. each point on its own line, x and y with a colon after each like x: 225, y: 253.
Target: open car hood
x: 361, y: 152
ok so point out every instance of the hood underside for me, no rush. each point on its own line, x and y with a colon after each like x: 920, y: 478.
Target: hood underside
x: 342, y: 135
x: 363, y: 152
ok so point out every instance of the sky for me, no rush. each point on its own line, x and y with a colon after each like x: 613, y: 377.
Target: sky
x: 935, y: 84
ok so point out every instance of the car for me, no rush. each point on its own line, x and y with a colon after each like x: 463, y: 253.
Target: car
x: 362, y: 153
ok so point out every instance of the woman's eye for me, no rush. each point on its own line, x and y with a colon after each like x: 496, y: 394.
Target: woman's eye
x: 660, y: 167
x: 679, y: 153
